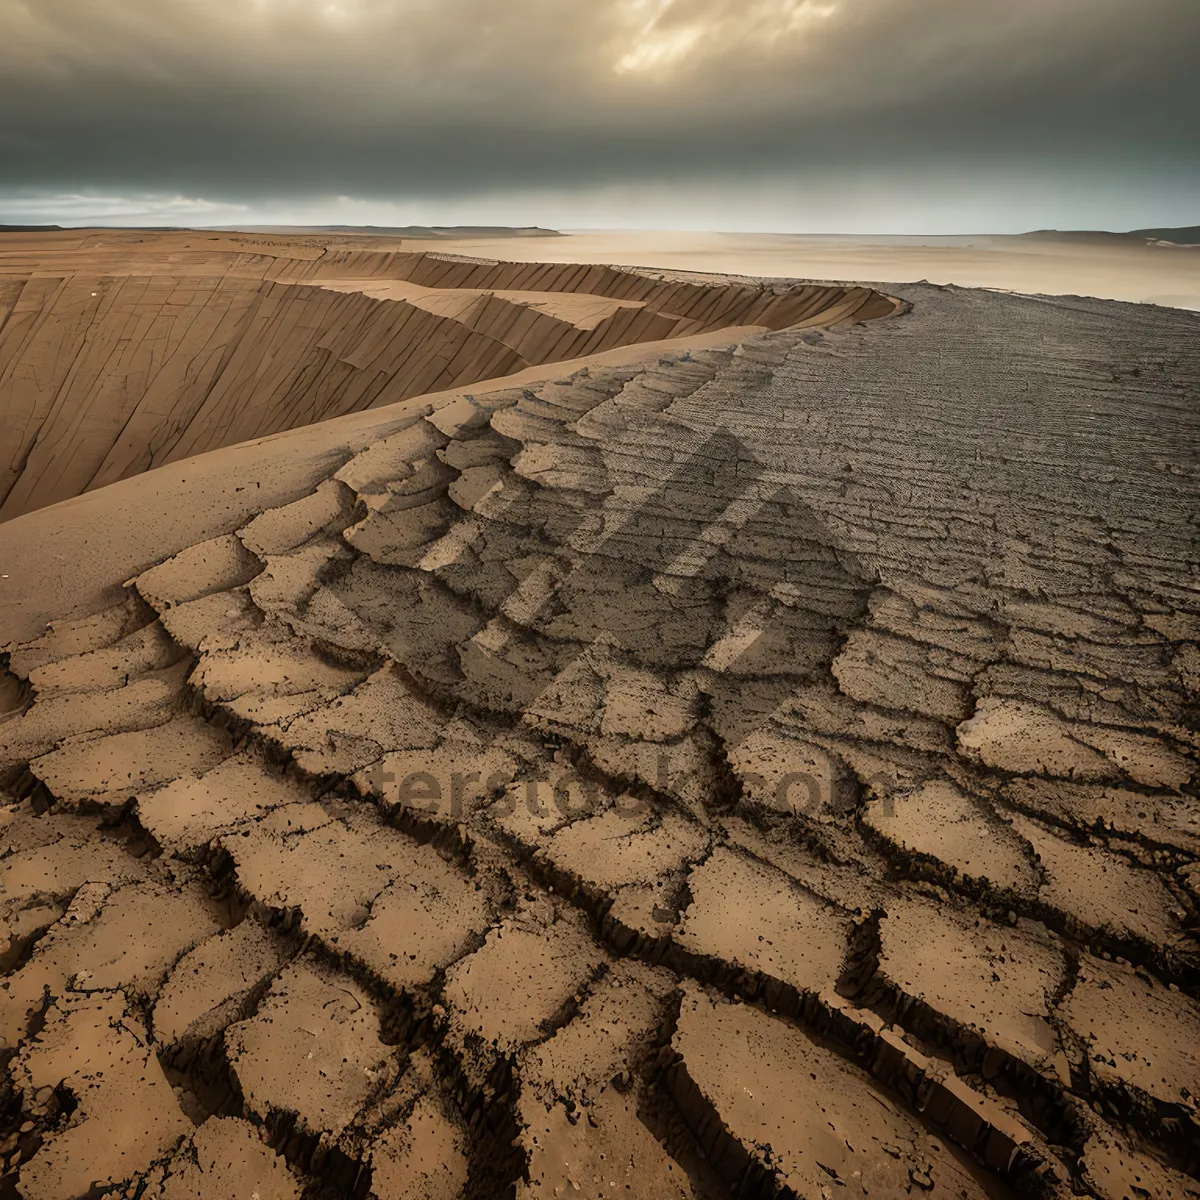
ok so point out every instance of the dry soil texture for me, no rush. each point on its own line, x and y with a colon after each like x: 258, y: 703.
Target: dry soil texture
x: 764, y: 770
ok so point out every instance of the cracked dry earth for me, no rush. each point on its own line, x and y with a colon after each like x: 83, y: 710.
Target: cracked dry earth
x: 764, y: 771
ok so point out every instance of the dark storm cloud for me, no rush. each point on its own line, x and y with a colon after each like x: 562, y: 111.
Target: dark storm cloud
x: 251, y: 98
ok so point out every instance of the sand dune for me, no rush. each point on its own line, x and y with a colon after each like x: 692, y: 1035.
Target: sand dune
x: 757, y: 763
x: 115, y: 358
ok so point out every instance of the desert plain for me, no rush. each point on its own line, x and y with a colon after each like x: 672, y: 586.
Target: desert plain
x: 477, y: 723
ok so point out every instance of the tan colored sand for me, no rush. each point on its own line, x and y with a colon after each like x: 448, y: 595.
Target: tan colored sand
x: 232, y: 346
x: 1108, y: 268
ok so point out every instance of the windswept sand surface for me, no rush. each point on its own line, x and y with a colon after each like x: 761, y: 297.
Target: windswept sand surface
x: 120, y: 352
x: 758, y: 765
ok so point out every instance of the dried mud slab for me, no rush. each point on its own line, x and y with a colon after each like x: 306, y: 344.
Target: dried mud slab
x: 109, y: 938
x: 226, y: 1157
x: 1101, y: 889
x: 948, y: 827
x: 770, y: 1100
x: 111, y: 770
x: 1136, y: 1032
x: 1165, y: 820
x: 581, y: 1092
x: 995, y: 979
x: 207, y: 987
x: 189, y: 813
x: 48, y: 858
x: 421, y: 1158
x: 125, y: 1117
x: 751, y: 918
x: 364, y: 890
x: 140, y: 703
x: 312, y: 1049
x: 75, y: 638
x: 1117, y: 1171
x: 605, y: 1151
x: 543, y: 955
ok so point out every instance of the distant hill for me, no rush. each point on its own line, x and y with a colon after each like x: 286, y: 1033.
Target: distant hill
x: 29, y: 228
x: 1186, y: 235
x: 1077, y: 235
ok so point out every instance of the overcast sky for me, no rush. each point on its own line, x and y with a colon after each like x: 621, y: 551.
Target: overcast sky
x: 786, y: 115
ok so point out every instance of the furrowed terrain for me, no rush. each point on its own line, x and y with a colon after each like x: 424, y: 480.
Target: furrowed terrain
x: 122, y: 352
x: 762, y: 769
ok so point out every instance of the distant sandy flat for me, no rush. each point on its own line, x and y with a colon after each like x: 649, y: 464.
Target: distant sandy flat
x: 691, y: 738
x: 1111, y: 269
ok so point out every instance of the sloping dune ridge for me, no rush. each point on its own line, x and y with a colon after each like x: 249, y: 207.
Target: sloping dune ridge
x: 123, y: 355
x: 759, y: 765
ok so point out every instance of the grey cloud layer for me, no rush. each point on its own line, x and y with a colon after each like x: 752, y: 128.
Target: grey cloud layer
x: 371, y: 97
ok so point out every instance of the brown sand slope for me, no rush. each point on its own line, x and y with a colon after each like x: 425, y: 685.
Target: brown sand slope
x: 118, y: 355
x: 760, y: 769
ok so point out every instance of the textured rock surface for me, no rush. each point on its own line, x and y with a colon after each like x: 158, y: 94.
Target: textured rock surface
x: 769, y: 767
